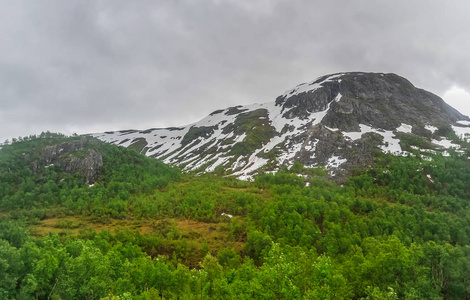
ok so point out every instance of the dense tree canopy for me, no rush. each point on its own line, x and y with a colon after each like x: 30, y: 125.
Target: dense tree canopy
x: 143, y: 230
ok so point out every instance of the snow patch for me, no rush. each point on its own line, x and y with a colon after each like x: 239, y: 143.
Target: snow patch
x: 391, y: 144
x: 217, y: 163
x: 312, y: 146
x: 445, y: 143
x: 338, y: 97
x: 274, y: 114
x: 404, y: 128
x: 431, y: 128
x: 240, y: 138
x: 309, y: 87
x: 335, y: 162
x: 462, y: 132
x: 274, y: 142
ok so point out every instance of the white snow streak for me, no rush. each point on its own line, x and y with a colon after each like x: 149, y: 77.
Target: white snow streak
x: 404, y: 128
x: 445, y: 143
x: 309, y: 87
x: 391, y: 144
x: 338, y: 97
x: 335, y: 162
x: 431, y: 128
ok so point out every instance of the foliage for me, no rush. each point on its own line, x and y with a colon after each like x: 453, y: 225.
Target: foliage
x: 138, y: 144
x: 258, y: 131
x: 27, y: 183
x: 196, y: 132
x: 399, y: 230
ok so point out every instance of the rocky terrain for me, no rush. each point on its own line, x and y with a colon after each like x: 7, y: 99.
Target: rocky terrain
x: 338, y: 121
x: 73, y: 157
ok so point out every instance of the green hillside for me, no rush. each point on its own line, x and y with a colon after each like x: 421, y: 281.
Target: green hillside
x: 80, y: 219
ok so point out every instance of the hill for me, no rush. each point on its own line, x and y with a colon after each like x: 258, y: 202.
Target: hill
x: 81, y: 219
x: 337, y: 121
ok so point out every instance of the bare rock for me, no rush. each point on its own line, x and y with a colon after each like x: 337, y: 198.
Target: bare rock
x: 74, y: 157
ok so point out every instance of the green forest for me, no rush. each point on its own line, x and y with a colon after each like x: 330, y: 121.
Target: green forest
x: 146, y: 230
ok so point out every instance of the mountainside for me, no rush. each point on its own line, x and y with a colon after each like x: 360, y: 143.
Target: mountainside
x: 338, y: 121
x: 83, y: 219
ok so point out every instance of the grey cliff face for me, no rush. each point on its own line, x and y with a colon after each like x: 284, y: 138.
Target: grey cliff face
x: 75, y: 157
x: 379, y: 100
x: 303, y: 104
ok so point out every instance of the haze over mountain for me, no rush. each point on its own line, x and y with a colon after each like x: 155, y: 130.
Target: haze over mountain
x: 337, y: 121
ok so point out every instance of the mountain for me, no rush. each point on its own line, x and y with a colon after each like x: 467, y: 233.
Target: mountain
x: 84, y: 219
x: 338, y: 121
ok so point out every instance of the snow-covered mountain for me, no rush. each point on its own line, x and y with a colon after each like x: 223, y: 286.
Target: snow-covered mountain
x: 338, y: 121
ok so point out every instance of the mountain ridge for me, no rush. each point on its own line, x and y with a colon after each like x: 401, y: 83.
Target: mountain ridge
x: 336, y: 121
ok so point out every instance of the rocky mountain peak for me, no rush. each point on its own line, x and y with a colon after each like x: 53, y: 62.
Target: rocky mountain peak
x: 376, y: 99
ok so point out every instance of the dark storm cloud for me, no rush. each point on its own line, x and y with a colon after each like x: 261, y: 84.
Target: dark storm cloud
x: 84, y: 66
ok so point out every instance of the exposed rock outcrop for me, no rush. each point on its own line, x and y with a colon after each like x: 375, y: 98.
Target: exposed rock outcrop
x: 74, y: 157
x: 379, y: 100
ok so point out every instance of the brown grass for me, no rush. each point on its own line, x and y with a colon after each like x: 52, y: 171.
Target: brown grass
x: 215, y: 234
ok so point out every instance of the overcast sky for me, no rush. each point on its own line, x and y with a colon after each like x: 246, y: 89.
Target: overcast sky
x: 92, y: 66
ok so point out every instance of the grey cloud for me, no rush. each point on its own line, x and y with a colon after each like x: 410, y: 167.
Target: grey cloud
x: 106, y: 65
